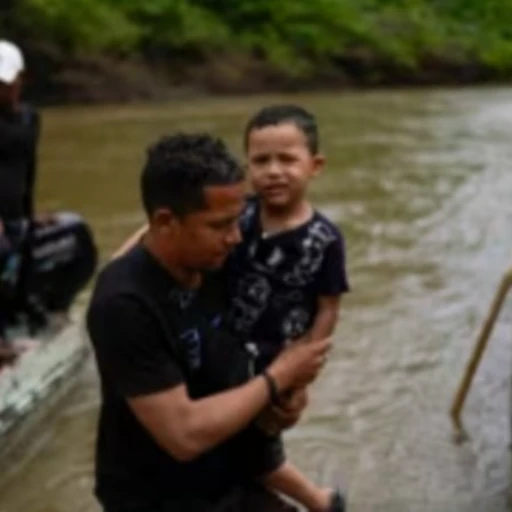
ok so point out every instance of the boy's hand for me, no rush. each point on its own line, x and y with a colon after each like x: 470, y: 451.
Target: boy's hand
x: 275, y: 419
x: 295, y: 400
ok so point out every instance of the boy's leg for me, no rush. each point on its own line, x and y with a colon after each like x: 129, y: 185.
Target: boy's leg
x: 258, y: 498
x: 289, y: 481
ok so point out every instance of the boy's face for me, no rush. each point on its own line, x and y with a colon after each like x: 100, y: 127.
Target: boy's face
x: 280, y: 163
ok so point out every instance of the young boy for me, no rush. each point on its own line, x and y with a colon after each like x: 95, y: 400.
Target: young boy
x: 288, y: 274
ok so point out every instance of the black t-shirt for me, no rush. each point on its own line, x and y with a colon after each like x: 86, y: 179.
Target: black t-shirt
x: 275, y: 281
x: 19, y: 134
x: 149, y: 335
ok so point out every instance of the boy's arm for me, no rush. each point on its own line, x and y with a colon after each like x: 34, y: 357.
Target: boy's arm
x: 278, y: 419
x: 131, y: 242
x: 326, y: 318
x: 331, y: 284
x: 284, y: 417
x: 289, y: 481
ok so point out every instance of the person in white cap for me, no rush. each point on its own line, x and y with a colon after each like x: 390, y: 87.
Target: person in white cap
x: 52, y: 256
x: 12, y: 64
x: 19, y: 132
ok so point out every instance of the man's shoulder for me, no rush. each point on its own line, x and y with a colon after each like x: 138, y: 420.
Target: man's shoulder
x: 119, y: 300
x: 119, y: 267
x: 119, y: 277
x: 133, y: 282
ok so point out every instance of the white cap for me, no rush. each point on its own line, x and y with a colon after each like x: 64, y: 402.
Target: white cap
x: 11, y: 62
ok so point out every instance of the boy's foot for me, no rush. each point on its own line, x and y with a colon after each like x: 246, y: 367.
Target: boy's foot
x: 338, y: 503
x: 333, y: 501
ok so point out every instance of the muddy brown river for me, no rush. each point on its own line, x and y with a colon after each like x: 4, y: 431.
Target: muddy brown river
x: 421, y: 183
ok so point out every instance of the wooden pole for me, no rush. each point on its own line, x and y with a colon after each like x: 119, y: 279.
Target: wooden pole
x: 476, y: 356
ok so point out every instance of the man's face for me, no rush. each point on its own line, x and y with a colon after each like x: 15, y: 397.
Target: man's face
x: 203, y: 239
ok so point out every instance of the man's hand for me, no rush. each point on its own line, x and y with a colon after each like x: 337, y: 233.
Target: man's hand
x: 294, y: 368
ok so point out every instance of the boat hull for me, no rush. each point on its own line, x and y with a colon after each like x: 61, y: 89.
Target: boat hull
x: 38, y: 379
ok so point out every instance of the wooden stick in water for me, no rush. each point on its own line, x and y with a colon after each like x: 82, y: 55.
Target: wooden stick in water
x: 481, y: 343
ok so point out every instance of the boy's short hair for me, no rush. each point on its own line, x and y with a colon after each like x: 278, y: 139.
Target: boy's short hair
x: 178, y: 169
x: 278, y: 114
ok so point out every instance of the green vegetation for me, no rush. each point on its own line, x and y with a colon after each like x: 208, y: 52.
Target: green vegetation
x: 295, y: 37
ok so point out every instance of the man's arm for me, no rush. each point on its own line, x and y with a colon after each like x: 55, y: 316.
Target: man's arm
x: 34, y: 124
x: 129, y: 351
x: 186, y: 428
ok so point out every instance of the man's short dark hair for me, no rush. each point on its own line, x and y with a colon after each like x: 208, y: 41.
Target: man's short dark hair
x: 180, y: 166
x: 278, y: 114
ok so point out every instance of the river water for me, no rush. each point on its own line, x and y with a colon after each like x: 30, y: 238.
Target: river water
x: 420, y: 182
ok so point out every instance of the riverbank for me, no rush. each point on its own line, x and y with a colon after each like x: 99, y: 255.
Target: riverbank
x: 105, y: 79
x: 105, y: 50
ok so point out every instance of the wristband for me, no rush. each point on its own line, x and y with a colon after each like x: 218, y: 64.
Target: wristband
x: 272, y: 388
